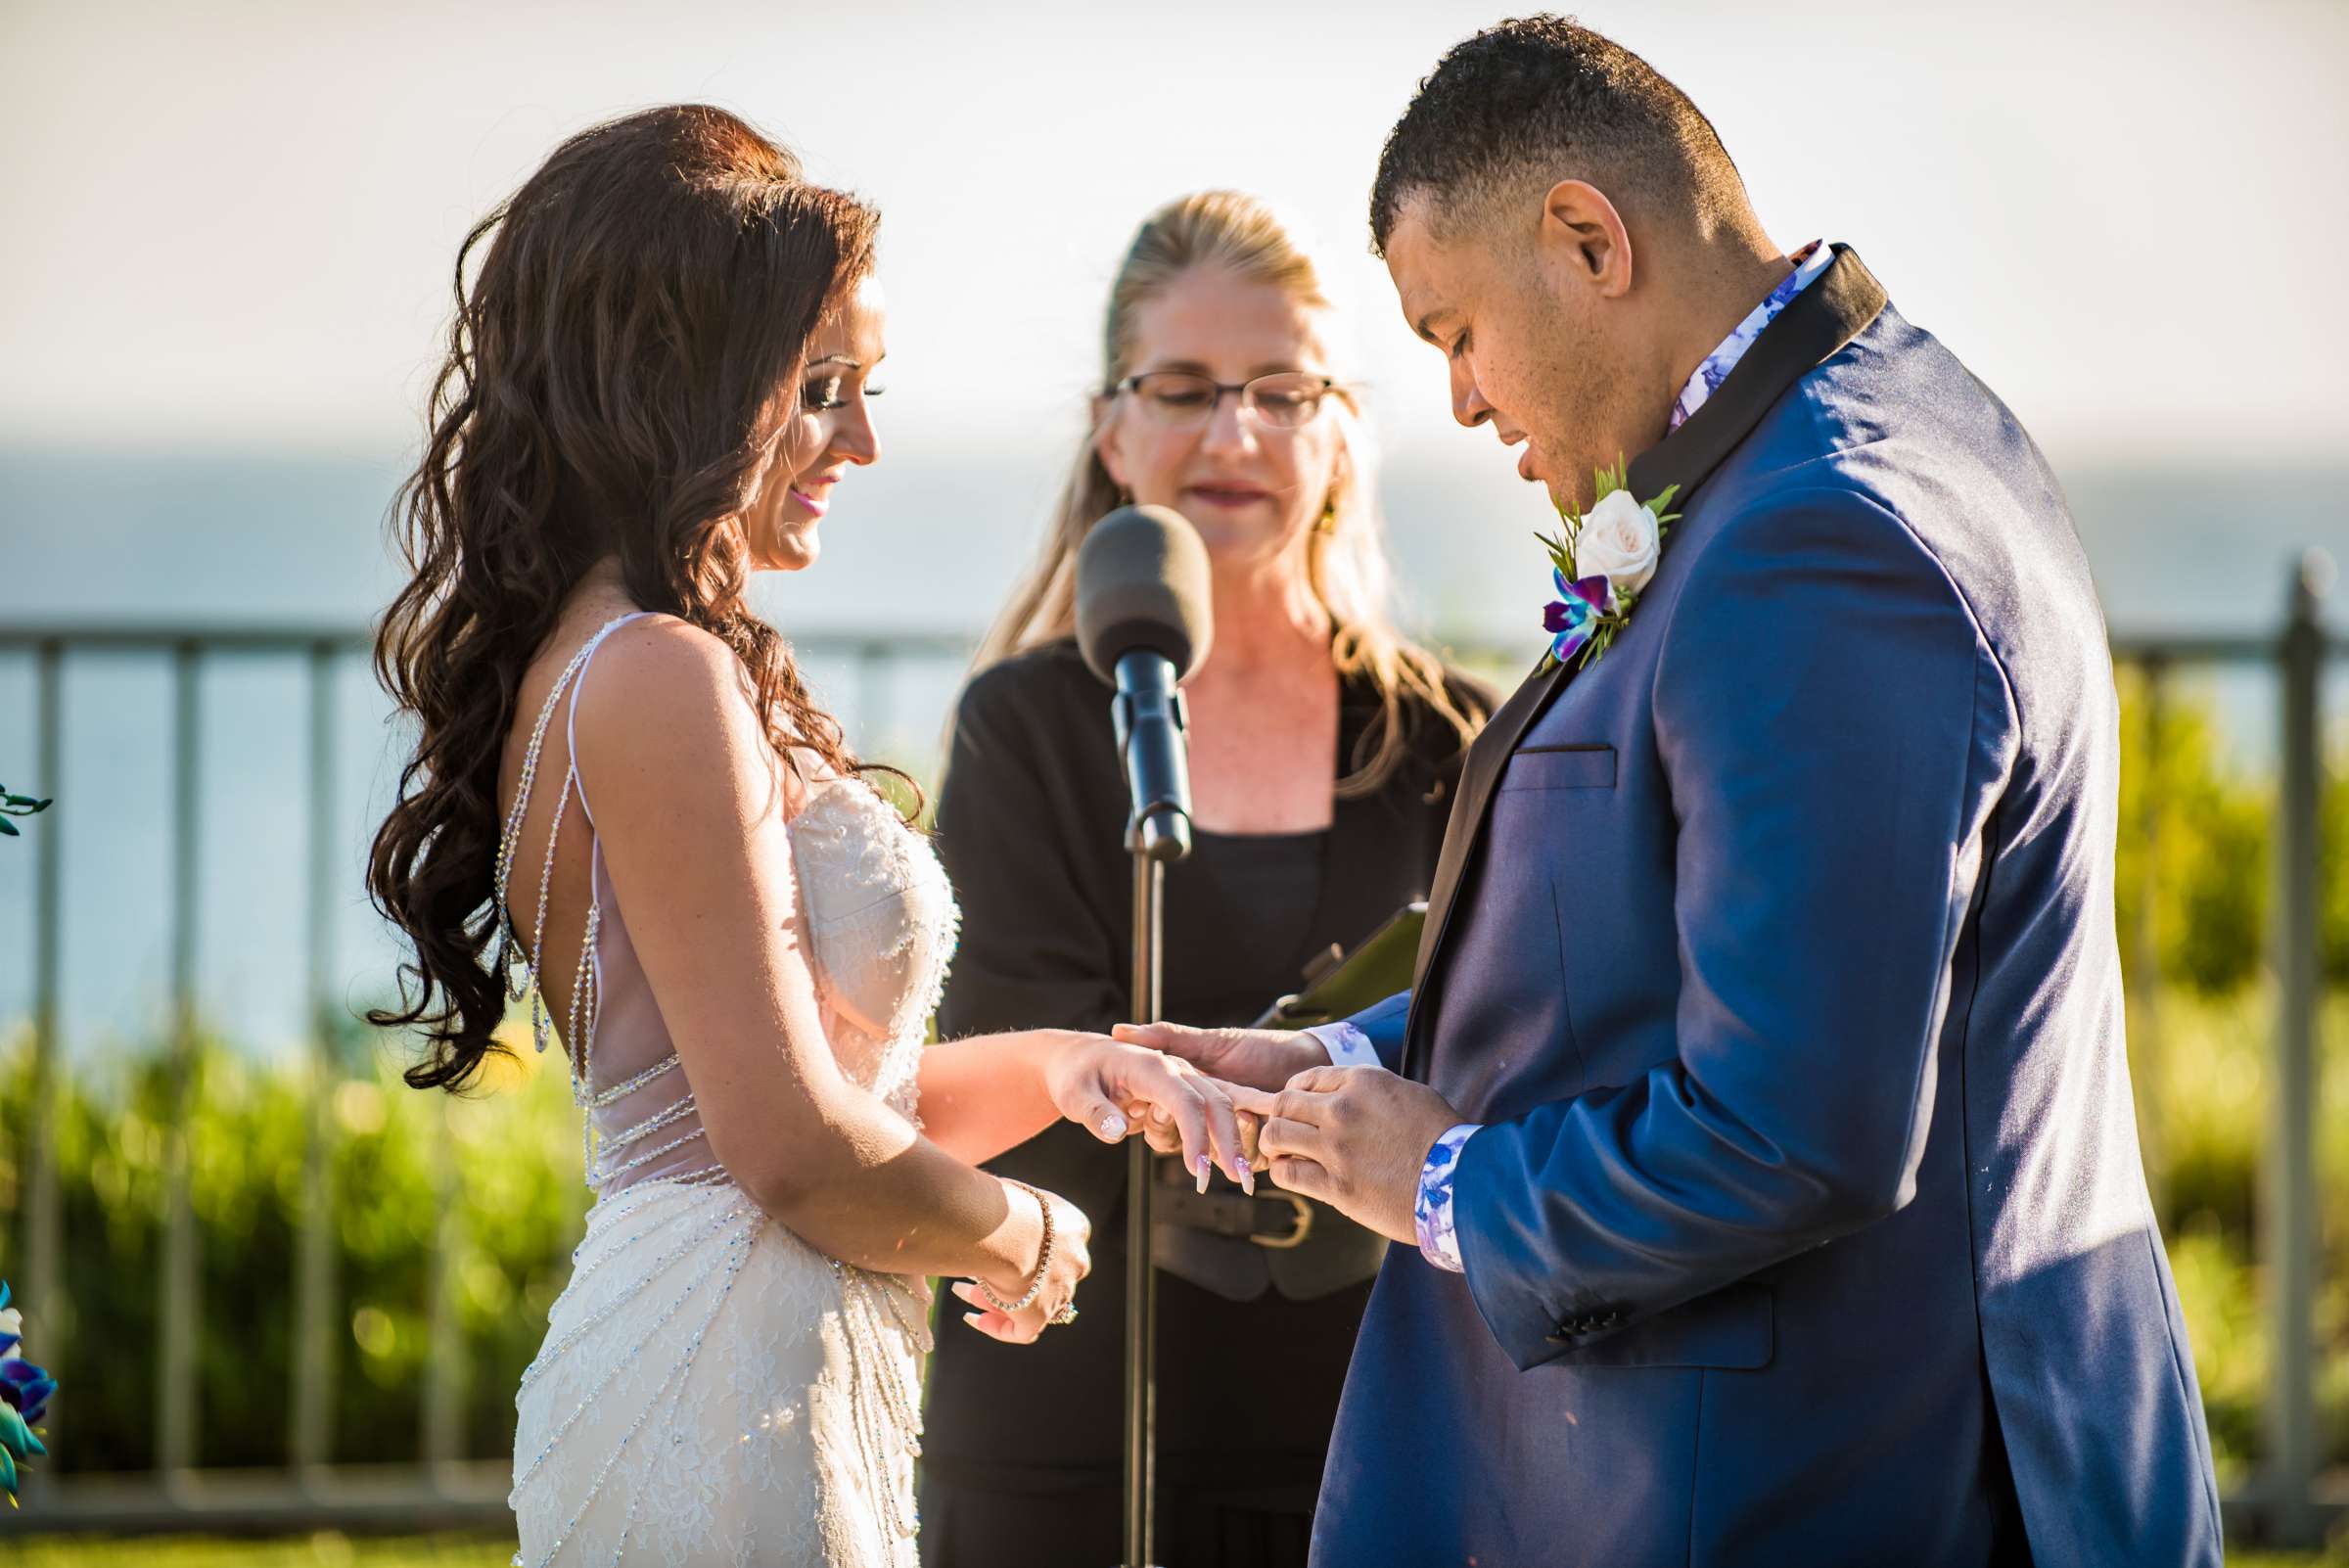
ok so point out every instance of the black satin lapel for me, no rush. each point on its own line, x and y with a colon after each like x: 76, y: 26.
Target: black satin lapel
x: 1486, y: 756
x: 1479, y: 775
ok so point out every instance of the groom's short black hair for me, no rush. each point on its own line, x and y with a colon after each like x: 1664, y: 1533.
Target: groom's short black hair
x: 1546, y: 99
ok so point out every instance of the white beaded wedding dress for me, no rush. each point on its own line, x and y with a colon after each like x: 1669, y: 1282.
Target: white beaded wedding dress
x: 711, y: 1390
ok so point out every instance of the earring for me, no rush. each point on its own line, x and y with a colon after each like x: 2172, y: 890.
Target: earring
x: 1329, y: 518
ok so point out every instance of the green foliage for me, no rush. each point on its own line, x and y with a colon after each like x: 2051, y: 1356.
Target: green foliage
x: 2194, y: 849
x: 2197, y: 849
x: 2203, y: 1069
x: 2333, y: 889
x: 509, y: 1160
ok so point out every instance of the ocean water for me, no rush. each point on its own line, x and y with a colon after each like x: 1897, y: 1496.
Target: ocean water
x: 921, y: 544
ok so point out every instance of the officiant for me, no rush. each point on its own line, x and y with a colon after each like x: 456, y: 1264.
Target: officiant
x: 1324, y: 751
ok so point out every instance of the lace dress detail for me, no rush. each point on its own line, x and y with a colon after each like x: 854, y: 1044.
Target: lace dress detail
x: 711, y: 1390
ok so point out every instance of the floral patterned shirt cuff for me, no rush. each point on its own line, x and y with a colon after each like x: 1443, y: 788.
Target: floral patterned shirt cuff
x: 1431, y: 1213
x: 1348, y: 1046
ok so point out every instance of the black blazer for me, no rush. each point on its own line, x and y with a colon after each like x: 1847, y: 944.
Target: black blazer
x: 1030, y: 824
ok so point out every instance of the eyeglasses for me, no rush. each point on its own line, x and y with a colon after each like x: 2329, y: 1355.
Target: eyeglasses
x: 1179, y: 400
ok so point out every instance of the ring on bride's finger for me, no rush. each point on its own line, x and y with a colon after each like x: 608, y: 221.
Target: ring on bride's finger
x: 1067, y: 1314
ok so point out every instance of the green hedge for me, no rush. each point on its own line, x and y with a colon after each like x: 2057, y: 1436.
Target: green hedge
x: 511, y: 1157
x: 2206, y: 858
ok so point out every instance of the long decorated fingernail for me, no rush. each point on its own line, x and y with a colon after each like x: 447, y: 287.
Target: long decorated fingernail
x: 1113, y: 1125
x: 1248, y: 1179
x: 1205, y: 1166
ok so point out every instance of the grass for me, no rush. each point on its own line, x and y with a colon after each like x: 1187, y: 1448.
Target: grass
x: 329, y: 1548
x: 324, y: 1549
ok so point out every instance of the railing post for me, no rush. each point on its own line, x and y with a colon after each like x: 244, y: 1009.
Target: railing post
x: 44, y: 1251
x: 178, y: 1311
x: 2290, y: 1242
x: 312, y: 1437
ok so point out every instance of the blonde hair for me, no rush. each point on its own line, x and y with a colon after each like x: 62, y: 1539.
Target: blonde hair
x: 1346, y: 561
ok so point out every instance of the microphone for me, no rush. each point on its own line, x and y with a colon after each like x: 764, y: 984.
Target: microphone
x: 1144, y: 620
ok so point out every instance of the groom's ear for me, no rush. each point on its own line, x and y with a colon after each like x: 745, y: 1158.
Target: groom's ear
x: 1583, y: 235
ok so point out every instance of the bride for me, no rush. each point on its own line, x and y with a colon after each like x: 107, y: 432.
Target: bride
x: 623, y: 796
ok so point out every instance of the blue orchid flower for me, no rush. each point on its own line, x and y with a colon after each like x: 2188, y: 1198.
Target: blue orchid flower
x: 1573, y: 616
x: 25, y: 1388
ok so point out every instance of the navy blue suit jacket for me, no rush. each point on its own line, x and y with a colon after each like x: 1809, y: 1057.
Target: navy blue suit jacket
x: 1775, y: 953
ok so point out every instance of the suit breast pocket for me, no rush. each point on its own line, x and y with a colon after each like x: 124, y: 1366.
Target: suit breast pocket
x: 1560, y: 767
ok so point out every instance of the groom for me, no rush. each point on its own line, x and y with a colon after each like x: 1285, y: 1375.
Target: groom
x: 1759, y: 1119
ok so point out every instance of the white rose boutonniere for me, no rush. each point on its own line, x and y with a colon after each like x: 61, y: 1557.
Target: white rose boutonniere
x: 1601, y: 561
x: 1619, y: 540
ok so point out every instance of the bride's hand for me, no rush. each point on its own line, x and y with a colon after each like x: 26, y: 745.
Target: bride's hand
x: 1071, y: 1261
x: 1105, y: 1085
x: 1251, y: 1108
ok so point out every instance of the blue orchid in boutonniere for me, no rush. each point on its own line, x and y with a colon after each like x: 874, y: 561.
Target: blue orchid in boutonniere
x: 1601, y: 561
x: 25, y: 1391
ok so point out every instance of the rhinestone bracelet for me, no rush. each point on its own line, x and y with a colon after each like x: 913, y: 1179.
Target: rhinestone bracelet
x: 1043, y: 1261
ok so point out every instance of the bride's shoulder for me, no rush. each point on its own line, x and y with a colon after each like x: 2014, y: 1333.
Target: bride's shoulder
x: 664, y: 695
x: 655, y: 667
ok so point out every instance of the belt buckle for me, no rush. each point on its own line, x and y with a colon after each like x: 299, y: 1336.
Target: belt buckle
x: 1303, y: 1227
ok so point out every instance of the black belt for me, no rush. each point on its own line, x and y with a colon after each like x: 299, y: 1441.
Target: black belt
x: 1276, y: 1219
x: 1238, y: 1246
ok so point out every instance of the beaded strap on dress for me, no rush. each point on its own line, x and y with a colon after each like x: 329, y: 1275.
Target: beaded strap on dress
x: 602, y: 1158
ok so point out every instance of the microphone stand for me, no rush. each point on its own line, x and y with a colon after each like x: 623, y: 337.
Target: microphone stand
x: 1158, y: 834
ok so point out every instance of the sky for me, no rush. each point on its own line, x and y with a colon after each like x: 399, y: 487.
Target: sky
x: 232, y: 225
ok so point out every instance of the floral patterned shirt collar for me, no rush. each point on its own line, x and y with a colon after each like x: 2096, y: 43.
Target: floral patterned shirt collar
x: 1809, y: 262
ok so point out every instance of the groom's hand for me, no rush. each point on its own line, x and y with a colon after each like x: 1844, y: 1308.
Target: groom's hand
x: 1260, y: 1058
x: 1355, y: 1137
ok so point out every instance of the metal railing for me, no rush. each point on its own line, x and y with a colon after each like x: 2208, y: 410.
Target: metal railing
x: 441, y: 1488
x: 2288, y: 1501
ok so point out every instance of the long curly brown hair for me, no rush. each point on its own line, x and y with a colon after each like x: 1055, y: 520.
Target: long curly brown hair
x: 637, y: 307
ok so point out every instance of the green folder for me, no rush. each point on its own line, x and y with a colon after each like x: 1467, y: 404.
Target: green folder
x: 1340, y: 984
